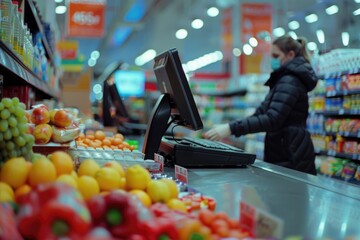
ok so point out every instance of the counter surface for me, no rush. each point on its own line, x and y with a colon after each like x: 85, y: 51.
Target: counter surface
x: 310, y: 206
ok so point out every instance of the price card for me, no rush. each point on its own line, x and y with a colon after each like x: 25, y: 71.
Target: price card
x: 181, y: 174
x: 159, y: 159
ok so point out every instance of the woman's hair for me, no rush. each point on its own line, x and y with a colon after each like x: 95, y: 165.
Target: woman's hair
x: 287, y: 43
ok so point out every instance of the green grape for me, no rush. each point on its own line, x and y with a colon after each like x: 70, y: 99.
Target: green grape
x: 1, y: 106
x: 4, y: 125
x: 22, y: 119
x: 2, y: 145
x: 1, y: 136
x: 7, y: 102
x: 23, y: 128
x: 22, y: 105
x: 7, y: 134
x: 13, y: 154
x: 11, y: 109
x: 15, y: 131
x: 19, y: 112
x: 24, y: 150
x: 20, y: 141
x: 10, y: 145
x: 15, y: 101
x: 5, y: 114
x: 29, y: 138
x: 12, y: 121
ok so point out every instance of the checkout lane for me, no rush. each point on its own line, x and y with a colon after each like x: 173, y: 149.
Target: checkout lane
x: 309, y: 205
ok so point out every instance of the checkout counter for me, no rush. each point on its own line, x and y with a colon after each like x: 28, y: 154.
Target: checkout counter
x: 310, y: 206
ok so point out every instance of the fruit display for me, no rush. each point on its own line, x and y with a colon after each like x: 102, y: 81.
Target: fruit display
x: 57, y: 200
x: 56, y: 125
x: 15, y: 140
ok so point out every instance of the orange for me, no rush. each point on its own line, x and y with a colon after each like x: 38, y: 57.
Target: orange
x: 91, y: 137
x: 158, y: 191
x: 100, y: 135
x: 109, y: 179
x: 15, y: 172
x: 6, y: 189
x: 88, y: 187
x: 142, y: 196
x: 67, y: 179
x: 42, y: 171
x: 174, y: 192
x: 62, y: 162
x: 88, y: 167
x: 81, y: 136
x: 22, y: 191
x: 137, y: 177
x: 116, y: 141
x: 117, y: 166
x: 119, y: 135
x: 177, y: 204
x: 106, y: 142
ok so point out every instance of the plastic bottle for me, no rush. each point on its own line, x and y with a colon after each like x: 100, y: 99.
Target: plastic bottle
x: 5, y: 6
x: 20, y: 34
x: 13, y: 28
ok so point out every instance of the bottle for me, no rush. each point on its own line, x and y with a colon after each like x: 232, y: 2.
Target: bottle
x: 13, y: 16
x: 5, y: 26
x: 20, y: 34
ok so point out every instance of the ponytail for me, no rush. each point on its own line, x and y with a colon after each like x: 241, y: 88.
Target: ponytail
x: 287, y: 43
x: 303, y: 50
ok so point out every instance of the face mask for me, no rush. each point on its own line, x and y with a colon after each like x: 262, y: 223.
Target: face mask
x: 275, y: 63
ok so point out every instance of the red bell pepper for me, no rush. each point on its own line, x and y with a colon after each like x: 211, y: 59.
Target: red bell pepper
x: 8, y: 228
x: 115, y: 212
x: 52, y: 211
x: 159, y: 228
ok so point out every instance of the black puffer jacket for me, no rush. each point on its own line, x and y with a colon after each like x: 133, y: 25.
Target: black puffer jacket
x: 282, y: 115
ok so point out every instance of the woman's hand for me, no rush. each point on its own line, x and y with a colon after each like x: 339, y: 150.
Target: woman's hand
x: 218, y: 132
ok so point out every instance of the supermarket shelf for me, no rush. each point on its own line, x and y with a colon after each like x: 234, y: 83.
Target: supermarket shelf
x: 10, y: 62
x: 352, y: 181
x: 355, y: 157
x: 337, y: 93
x: 36, y: 25
x: 340, y: 112
x: 343, y: 134
x: 341, y: 73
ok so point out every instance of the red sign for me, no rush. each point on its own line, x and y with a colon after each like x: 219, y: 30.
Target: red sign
x: 159, y: 159
x: 181, y: 174
x: 86, y: 18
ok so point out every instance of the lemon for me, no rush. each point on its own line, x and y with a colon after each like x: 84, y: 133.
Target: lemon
x: 174, y: 191
x: 15, y: 172
x: 62, y: 162
x: 5, y: 197
x: 158, y: 191
x: 177, y: 204
x: 109, y: 179
x: 88, y: 187
x: 6, y: 189
x: 67, y: 179
x: 88, y: 167
x: 137, y: 177
x: 117, y: 166
x: 42, y: 171
x: 142, y: 196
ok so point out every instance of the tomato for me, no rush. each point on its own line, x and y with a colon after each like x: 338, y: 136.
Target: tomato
x: 206, y: 217
x: 220, y: 227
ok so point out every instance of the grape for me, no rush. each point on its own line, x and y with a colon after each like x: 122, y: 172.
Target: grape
x: 22, y: 105
x: 4, y: 125
x: 1, y: 106
x: 5, y: 114
x: 7, y: 102
x: 12, y: 154
x: 15, y: 132
x: 1, y: 136
x: 29, y: 138
x: 12, y: 121
x: 10, y: 145
x: 19, y: 112
x: 20, y: 141
x: 23, y: 128
x: 22, y: 119
x: 11, y: 109
x: 7, y: 134
x: 15, y: 101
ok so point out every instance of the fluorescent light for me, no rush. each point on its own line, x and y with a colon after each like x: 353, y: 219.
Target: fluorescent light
x: 212, y: 12
x: 236, y: 52
x: 332, y: 10
x: 95, y: 54
x: 320, y: 36
x: 311, y: 18
x: 293, y: 34
x: 60, y: 9
x: 253, y: 42
x: 97, y: 88
x: 357, y: 12
x: 278, y: 32
x: 345, y: 37
x: 203, y: 61
x: 311, y: 46
x: 357, y: 1
x: 181, y: 33
x: 146, y: 57
x: 91, y: 62
x: 293, y: 25
x: 59, y: 1
x: 197, y: 23
x: 247, y: 49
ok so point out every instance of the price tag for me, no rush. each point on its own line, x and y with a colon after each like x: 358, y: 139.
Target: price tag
x: 181, y: 174
x: 247, y: 217
x: 159, y: 159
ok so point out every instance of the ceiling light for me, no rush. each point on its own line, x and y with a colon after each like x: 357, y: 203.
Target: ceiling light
x: 357, y: 1
x: 293, y: 34
x: 197, y: 23
x: 95, y: 54
x: 311, y: 46
x: 357, y: 12
x: 91, y: 62
x: 212, y: 12
x: 60, y: 9
x: 345, y: 38
x: 253, y: 42
x: 278, y: 32
x: 311, y: 18
x: 146, y: 57
x: 59, y: 1
x: 320, y: 36
x: 97, y: 88
x: 236, y: 52
x: 203, y: 61
x: 181, y: 33
x: 247, y: 49
x: 293, y: 25
x: 332, y: 10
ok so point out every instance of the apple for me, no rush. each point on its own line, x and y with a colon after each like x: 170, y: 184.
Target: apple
x: 40, y: 115
x: 62, y: 118
x: 52, y: 114
x: 31, y: 128
x: 42, y: 133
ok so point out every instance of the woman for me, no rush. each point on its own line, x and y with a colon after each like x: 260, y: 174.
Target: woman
x: 283, y: 113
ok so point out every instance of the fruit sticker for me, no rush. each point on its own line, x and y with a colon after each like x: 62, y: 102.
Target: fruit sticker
x: 181, y: 174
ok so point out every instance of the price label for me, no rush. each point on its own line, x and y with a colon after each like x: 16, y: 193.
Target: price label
x: 181, y: 174
x: 159, y: 159
x: 247, y: 217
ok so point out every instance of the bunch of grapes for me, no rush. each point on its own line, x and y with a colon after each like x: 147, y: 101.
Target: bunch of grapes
x: 15, y: 141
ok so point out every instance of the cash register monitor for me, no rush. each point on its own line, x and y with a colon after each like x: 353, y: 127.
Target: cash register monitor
x: 176, y: 102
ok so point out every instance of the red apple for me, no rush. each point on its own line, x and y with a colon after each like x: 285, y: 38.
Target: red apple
x: 42, y: 133
x: 62, y: 118
x: 40, y: 115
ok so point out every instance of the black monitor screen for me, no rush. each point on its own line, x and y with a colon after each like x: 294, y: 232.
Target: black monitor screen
x: 171, y: 80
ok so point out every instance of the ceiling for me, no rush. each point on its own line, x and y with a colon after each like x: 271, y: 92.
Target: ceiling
x: 161, y: 18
